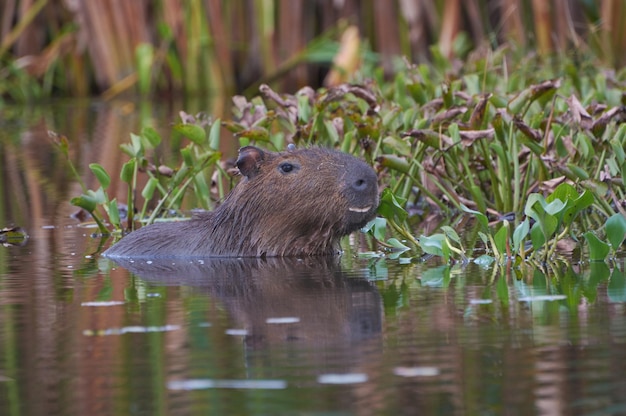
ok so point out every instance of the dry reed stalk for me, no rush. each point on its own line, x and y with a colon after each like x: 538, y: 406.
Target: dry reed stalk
x: 386, y: 31
x: 511, y: 22
x: 450, y: 26
x: 222, y: 42
x: 290, y: 40
x: 543, y: 26
x: 27, y: 16
x: 613, y: 32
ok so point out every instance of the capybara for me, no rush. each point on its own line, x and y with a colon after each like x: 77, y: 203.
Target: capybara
x: 299, y: 202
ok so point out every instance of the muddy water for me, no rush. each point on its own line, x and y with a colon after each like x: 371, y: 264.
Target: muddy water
x: 80, y: 334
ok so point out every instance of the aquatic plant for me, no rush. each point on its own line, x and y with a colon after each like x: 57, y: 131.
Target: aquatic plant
x: 533, y: 152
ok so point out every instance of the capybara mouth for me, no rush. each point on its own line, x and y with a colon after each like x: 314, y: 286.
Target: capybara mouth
x: 364, y: 209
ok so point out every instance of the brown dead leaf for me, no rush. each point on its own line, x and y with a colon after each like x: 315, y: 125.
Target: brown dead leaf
x: 579, y: 114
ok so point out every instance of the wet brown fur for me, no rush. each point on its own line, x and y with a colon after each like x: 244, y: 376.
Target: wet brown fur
x: 273, y: 211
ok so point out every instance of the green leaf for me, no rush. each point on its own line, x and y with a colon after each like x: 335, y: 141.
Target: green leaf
x: 378, y: 227
x: 331, y: 131
x: 103, y: 177
x: 536, y: 236
x: 615, y: 228
x: 152, y: 138
x: 136, y: 145
x: 114, y: 213
x: 86, y: 202
x: 187, y: 156
x: 501, y: 237
x: 399, y: 146
x: 214, y: 135
x: 451, y: 234
x: 391, y: 206
x: 519, y: 234
x: 128, y: 171
x: 193, y: 132
x: 148, y: 190
x: 432, y: 244
x: 399, y: 164
x: 482, y: 218
x: 536, y: 208
x: 578, y: 171
x: 576, y: 206
x: 598, y: 250
x: 395, y: 243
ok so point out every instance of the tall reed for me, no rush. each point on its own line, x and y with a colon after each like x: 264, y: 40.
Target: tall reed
x: 212, y: 46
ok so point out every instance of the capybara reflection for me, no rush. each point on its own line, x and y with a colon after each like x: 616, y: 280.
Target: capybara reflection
x: 299, y: 202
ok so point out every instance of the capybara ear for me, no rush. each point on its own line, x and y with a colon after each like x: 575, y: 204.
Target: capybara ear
x: 249, y: 160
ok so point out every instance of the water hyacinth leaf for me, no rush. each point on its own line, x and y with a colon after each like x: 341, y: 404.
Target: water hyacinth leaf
x: 399, y: 146
x: 451, y: 234
x: 86, y: 202
x: 578, y: 171
x: 214, y: 135
x: 564, y: 192
x: 103, y: 177
x: 187, y: 156
x: 501, y: 237
x: 598, y: 250
x: 391, y: 206
x: 576, y: 206
x: 331, y: 130
x: 148, y: 190
x: 484, y: 260
x: 519, y: 234
x: 394, y: 162
x: 151, y: 137
x: 574, y: 203
x: 482, y: 218
x: 377, y: 227
x: 136, y: 145
x: 554, y: 207
x: 201, y: 186
x: 615, y: 228
x: 304, y: 108
x: 537, y: 208
x: 537, y: 236
x: 396, y: 244
x: 193, y: 132
x: 484, y: 238
x: 114, y: 213
x: 432, y: 244
x: 259, y: 134
x: 128, y: 171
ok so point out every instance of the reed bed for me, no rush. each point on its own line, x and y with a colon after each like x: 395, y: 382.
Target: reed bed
x: 111, y: 47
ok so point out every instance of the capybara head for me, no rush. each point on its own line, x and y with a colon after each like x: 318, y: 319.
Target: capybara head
x: 301, y: 201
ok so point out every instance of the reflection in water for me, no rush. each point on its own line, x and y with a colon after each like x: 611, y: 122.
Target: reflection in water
x: 307, y: 303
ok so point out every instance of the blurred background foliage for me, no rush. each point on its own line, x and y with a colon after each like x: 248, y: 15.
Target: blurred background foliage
x: 167, y: 47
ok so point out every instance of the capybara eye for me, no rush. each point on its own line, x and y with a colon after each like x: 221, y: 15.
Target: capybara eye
x: 286, y: 167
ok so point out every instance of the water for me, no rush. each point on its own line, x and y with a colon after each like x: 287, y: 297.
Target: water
x: 80, y: 334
